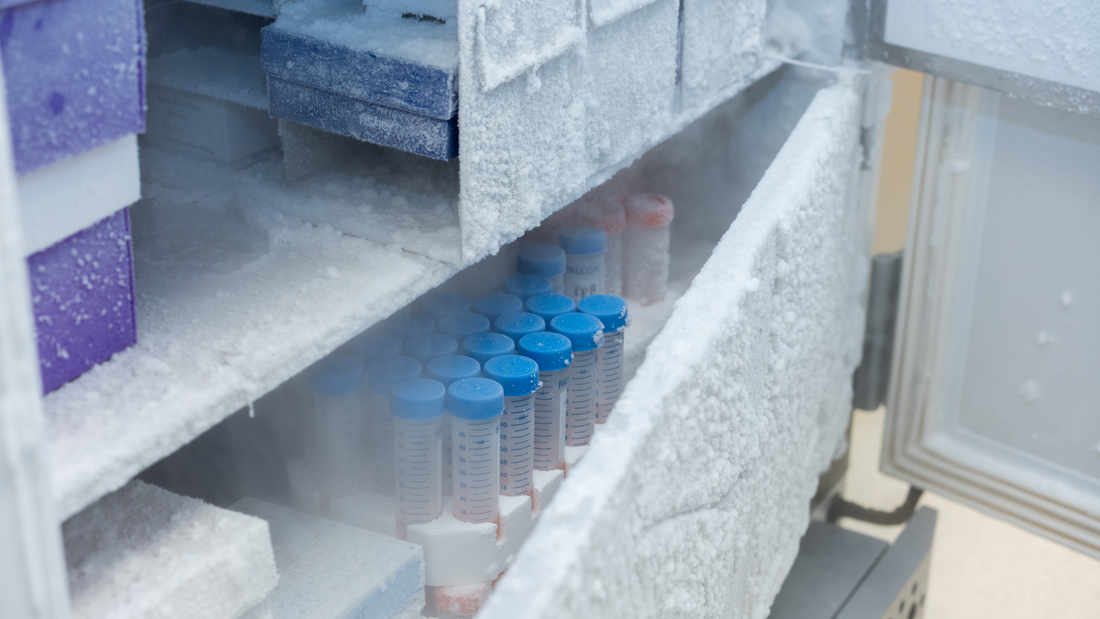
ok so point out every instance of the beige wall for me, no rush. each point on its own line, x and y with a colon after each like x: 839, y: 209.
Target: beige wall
x: 899, y: 154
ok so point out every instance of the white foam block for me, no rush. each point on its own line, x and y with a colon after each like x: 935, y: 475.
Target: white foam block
x: 457, y: 552
x: 143, y: 552
x: 331, y: 570
x: 65, y: 197
x: 573, y: 455
x: 546, y: 484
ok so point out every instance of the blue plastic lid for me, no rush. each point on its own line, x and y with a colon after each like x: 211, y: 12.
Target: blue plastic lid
x: 583, y: 240
x: 449, y: 368
x: 336, y: 375
x: 493, y: 305
x: 550, y: 305
x: 407, y: 324
x: 439, y: 305
x: 541, y: 259
x: 518, y: 324
x: 462, y: 326
x: 551, y: 351
x: 527, y: 286
x: 584, y: 332
x: 428, y: 346
x: 611, y: 311
x: 370, y: 346
x: 418, y: 398
x: 475, y: 399
x: 383, y: 372
x: 485, y: 346
x: 518, y: 375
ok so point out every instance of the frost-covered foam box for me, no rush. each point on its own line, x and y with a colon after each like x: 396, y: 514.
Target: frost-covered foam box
x: 74, y: 73
x: 82, y: 290
x: 330, y: 570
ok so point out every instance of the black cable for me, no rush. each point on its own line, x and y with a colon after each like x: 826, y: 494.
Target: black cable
x: 840, y: 508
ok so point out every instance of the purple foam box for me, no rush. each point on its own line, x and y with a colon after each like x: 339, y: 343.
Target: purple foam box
x: 75, y: 76
x: 82, y: 289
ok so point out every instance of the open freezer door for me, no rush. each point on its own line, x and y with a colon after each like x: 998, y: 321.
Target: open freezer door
x: 994, y: 394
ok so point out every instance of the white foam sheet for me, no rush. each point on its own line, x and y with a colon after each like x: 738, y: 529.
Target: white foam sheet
x: 143, y: 552
x: 693, y: 497
x: 723, y: 42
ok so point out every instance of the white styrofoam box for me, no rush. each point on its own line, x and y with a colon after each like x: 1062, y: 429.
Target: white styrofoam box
x: 545, y: 486
x: 216, y: 129
x: 63, y: 198
x: 330, y: 570
x: 517, y: 37
x: 723, y: 45
x: 573, y: 455
x: 602, y: 12
x: 143, y: 552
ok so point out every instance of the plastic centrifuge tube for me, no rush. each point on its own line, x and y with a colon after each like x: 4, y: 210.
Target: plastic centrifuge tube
x: 518, y: 324
x: 485, y: 346
x: 527, y: 286
x: 439, y: 305
x: 447, y: 369
x: 550, y: 306
x: 519, y: 376
x: 585, y: 249
x: 545, y: 260
x: 428, y: 346
x: 381, y: 375
x: 553, y: 353
x: 586, y: 334
x: 611, y: 311
x: 475, y: 405
x: 608, y: 215
x: 407, y: 324
x: 462, y: 326
x: 493, y: 305
x: 417, y: 406
x: 340, y: 424
x: 646, y: 247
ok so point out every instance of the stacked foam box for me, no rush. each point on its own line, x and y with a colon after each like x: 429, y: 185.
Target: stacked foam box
x: 74, y: 83
x: 374, y: 77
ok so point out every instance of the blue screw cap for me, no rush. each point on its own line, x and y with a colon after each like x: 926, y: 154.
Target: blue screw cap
x: 583, y: 241
x: 518, y: 375
x: 418, y: 398
x: 584, y: 332
x: 439, y: 305
x: 551, y: 351
x: 336, y: 375
x: 462, y: 326
x: 518, y: 324
x: 369, y: 346
x: 449, y: 368
x: 541, y: 259
x: 549, y: 306
x: 475, y: 399
x: 385, y: 371
x: 428, y: 346
x: 611, y: 311
x: 485, y: 346
x: 493, y: 305
x: 407, y: 324
x: 527, y: 286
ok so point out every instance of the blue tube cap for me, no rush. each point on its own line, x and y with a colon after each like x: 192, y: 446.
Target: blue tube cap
x: 385, y: 371
x: 370, y: 346
x: 485, y: 346
x: 541, y: 259
x: 583, y: 241
x: 527, y: 286
x: 407, y: 324
x: 518, y: 324
x: 462, y: 326
x: 418, y: 398
x: 584, y: 332
x: 475, y: 399
x: 551, y: 305
x: 428, y: 346
x: 493, y: 305
x: 336, y: 375
x: 449, y: 368
x: 518, y: 375
x: 611, y: 311
x: 551, y: 351
x: 439, y: 305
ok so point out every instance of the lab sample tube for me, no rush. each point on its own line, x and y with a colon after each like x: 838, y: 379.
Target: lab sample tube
x: 475, y: 405
x: 462, y: 326
x: 340, y: 424
x: 612, y: 312
x: 646, y: 247
x: 447, y: 369
x: 439, y: 305
x: 608, y: 215
x: 493, y: 305
x: 485, y: 346
x: 585, y: 333
x: 428, y: 346
x: 527, y: 286
x: 407, y: 324
x: 585, y: 249
x: 545, y: 260
x: 519, y: 377
x: 381, y: 375
x: 518, y: 324
x: 417, y: 407
x: 549, y: 306
x: 553, y: 353
x: 369, y: 346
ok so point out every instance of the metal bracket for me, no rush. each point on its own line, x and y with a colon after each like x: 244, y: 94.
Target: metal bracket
x: 872, y: 377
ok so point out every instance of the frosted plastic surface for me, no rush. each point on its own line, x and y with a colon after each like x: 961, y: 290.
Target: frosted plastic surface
x: 549, y: 408
x: 580, y: 413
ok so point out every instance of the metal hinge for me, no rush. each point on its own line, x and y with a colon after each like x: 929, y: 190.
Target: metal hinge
x: 872, y: 377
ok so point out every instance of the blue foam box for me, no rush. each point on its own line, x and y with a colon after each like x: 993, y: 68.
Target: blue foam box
x: 377, y: 124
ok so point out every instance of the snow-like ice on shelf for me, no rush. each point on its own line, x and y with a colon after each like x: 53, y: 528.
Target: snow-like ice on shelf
x: 225, y: 74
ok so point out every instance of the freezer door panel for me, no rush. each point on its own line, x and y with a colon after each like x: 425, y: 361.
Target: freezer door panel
x: 994, y: 397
